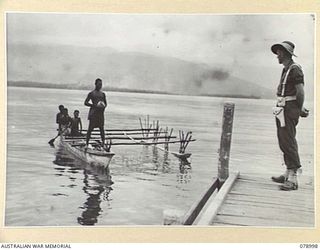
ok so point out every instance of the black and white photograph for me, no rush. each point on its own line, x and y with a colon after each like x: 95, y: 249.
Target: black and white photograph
x: 167, y: 120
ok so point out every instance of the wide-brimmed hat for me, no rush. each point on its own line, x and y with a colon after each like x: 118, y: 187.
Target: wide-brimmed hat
x: 288, y: 46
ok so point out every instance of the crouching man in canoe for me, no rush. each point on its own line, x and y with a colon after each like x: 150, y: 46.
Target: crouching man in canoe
x: 96, y: 113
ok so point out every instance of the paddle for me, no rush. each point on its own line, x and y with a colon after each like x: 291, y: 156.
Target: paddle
x: 53, y: 139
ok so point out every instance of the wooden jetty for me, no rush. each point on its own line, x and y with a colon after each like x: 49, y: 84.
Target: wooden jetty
x: 246, y: 199
x: 252, y: 200
x: 257, y: 201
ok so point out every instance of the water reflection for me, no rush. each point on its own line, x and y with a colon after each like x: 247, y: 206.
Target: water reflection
x: 154, y: 161
x: 95, y: 188
x: 63, y: 159
x: 97, y: 184
x: 97, y: 181
x: 162, y: 164
x: 184, y: 175
x: 147, y: 161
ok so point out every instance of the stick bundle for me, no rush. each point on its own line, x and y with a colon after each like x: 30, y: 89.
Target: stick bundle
x: 184, y: 140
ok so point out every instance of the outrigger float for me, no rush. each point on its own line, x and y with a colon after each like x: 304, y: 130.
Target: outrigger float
x: 147, y: 134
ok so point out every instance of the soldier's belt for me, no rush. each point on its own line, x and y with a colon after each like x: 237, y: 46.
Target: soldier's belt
x: 281, y: 100
x: 288, y: 98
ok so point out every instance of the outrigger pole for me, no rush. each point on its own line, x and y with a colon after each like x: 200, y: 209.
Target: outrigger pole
x: 134, y: 142
x: 121, y: 130
x: 148, y: 131
x: 122, y: 138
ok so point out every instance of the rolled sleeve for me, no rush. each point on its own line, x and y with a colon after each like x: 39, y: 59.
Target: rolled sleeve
x: 296, y: 75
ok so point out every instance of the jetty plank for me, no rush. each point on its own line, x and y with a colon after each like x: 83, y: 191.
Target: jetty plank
x: 272, y: 187
x: 257, y: 201
x: 267, y: 213
x: 261, y: 205
x: 272, y: 197
x: 253, y: 221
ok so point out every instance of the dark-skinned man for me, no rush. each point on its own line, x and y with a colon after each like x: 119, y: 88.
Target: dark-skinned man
x: 97, y: 102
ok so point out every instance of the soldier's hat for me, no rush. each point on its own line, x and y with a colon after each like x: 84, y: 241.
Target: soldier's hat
x: 286, y: 45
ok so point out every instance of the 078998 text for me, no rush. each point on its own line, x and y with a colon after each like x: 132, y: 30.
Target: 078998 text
x: 308, y: 245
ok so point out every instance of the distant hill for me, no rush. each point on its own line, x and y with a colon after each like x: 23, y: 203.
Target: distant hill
x: 80, y: 66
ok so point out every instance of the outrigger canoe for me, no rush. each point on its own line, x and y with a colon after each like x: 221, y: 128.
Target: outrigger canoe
x: 98, y: 155
x: 94, y: 155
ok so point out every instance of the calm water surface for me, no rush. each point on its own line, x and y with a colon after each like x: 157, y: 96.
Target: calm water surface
x: 48, y: 186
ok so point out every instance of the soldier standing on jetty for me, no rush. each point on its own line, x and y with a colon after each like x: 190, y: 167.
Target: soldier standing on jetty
x: 289, y: 108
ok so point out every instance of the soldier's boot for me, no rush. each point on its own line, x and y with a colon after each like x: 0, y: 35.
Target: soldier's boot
x: 282, y: 178
x: 292, y: 182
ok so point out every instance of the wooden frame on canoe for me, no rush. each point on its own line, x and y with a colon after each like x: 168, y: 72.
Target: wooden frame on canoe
x: 148, y: 134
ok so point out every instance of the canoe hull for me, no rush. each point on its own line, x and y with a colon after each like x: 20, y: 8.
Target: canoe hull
x: 90, y: 156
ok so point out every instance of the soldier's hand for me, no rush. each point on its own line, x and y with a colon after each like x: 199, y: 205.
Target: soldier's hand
x: 304, y: 112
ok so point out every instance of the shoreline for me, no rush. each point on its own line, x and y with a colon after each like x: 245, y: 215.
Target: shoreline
x: 21, y: 84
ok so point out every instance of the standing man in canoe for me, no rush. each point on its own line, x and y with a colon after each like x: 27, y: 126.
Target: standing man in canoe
x: 96, y: 113
x: 289, y: 108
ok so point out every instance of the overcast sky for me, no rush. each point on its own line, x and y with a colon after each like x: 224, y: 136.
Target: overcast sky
x: 235, y: 41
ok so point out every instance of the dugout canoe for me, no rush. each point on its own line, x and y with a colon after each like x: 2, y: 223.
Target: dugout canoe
x: 94, y: 155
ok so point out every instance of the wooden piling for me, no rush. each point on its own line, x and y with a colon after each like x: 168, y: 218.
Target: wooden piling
x: 225, y: 142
